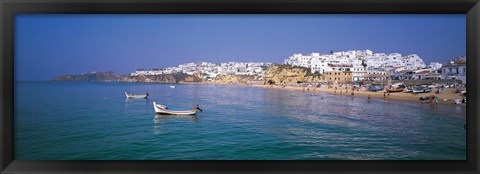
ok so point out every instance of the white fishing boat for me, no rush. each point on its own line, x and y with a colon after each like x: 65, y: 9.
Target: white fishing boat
x: 162, y: 109
x: 172, y: 87
x: 136, y: 95
x: 457, y: 101
x: 408, y: 89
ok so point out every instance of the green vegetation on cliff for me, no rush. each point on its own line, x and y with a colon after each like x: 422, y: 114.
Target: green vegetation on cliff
x: 111, y: 76
x: 93, y: 76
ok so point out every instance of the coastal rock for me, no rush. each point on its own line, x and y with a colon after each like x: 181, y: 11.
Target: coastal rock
x: 286, y: 74
x: 191, y: 78
x: 234, y: 78
x: 93, y: 76
x: 162, y: 78
x: 111, y: 76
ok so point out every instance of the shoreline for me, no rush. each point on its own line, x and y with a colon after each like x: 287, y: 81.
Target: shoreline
x: 445, y: 97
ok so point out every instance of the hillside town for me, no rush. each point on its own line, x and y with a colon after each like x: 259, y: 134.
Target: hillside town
x: 349, y: 66
x: 210, y: 70
x: 336, y: 67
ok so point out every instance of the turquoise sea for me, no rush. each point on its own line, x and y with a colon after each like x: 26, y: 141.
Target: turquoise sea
x: 65, y: 120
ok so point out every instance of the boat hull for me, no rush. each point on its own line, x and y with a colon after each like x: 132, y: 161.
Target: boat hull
x: 373, y: 89
x: 135, y: 96
x: 394, y: 90
x: 161, y: 109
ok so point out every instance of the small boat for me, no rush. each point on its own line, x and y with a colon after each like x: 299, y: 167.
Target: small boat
x: 394, y: 90
x: 136, y: 95
x: 457, y: 101
x: 172, y: 87
x: 421, y: 89
x: 424, y: 98
x: 162, y: 109
x: 408, y: 89
x: 375, y: 89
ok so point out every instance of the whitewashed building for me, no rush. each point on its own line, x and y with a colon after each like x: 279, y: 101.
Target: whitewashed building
x: 455, y: 69
x: 357, y: 61
x: 413, y: 62
x: 434, y: 66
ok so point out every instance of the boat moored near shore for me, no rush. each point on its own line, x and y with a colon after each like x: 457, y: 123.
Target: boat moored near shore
x: 162, y: 109
x: 136, y: 95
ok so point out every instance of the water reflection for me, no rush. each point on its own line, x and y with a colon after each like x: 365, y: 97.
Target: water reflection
x: 132, y: 102
x: 164, y: 118
x: 128, y: 100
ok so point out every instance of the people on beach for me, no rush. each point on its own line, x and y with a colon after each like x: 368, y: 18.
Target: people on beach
x: 446, y: 96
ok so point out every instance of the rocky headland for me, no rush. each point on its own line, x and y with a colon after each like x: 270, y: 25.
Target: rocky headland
x: 114, y: 77
x: 275, y: 74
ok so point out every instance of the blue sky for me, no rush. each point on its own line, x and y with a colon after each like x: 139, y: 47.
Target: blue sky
x: 50, y: 45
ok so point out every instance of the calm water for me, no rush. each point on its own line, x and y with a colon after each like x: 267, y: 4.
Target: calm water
x: 87, y: 120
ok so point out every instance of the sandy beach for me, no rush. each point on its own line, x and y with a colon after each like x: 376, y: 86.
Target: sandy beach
x: 445, y: 97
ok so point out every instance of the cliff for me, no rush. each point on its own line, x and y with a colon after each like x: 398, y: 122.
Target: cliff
x: 163, y: 78
x: 286, y: 74
x: 190, y: 78
x: 111, y: 76
x: 93, y: 76
x: 234, y: 78
x: 275, y: 74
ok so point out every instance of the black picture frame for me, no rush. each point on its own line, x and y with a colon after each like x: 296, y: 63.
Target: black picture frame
x: 9, y: 8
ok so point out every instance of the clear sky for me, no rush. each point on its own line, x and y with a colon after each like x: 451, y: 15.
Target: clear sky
x: 50, y: 45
